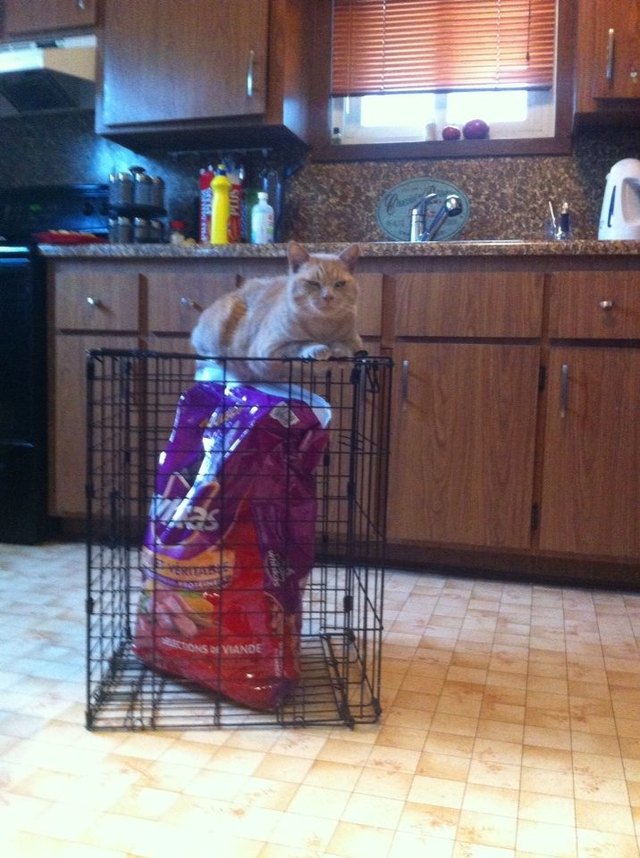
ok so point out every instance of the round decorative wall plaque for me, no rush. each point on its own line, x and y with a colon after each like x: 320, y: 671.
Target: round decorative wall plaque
x: 394, y: 207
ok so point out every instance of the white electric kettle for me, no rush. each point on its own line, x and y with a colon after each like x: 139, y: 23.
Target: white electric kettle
x: 620, y: 215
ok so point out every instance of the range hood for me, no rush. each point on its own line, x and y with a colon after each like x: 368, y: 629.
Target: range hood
x: 51, y: 75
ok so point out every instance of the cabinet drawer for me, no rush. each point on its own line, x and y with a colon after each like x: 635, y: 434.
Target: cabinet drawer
x: 486, y: 304
x: 108, y: 302
x: 595, y: 305
x: 176, y: 299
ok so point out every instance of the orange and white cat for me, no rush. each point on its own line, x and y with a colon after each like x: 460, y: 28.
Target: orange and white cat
x: 308, y: 313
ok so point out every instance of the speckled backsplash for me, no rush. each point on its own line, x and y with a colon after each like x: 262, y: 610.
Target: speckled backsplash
x: 508, y: 195
x: 337, y: 202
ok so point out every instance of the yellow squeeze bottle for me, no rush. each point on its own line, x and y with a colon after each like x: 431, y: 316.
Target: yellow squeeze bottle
x: 220, y: 206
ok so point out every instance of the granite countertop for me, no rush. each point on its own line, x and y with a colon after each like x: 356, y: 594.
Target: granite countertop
x: 367, y: 249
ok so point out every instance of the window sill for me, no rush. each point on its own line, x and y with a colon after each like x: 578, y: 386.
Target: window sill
x: 440, y: 149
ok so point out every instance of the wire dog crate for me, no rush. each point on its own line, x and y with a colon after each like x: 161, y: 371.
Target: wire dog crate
x: 236, y: 542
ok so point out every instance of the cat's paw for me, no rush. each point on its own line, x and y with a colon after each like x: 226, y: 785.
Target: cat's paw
x: 316, y: 351
x: 339, y: 350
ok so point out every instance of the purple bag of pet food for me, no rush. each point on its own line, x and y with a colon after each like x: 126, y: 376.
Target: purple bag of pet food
x: 230, y: 540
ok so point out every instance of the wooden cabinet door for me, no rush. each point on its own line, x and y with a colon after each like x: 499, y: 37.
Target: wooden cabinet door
x: 616, y: 64
x: 170, y: 60
x: 68, y: 434
x: 94, y: 306
x: 463, y: 439
x: 44, y: 16
x: 591, y: 480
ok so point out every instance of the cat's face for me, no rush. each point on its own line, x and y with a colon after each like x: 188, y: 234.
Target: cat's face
x: 323, y: 284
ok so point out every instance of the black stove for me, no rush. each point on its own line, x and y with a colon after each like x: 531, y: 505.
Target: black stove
x: 25, y: 212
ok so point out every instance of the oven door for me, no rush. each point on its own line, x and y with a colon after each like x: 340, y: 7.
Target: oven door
x: 23, y: 411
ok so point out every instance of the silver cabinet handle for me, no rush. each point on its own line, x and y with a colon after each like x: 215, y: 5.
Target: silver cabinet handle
x: 189, y: 302
x: 94, y: 302
x: 81, y: 4
x: 564, y: 389
x: 605, y: 304
x: 252, y: 55
x: 404, y: 384
x: 611, y: 41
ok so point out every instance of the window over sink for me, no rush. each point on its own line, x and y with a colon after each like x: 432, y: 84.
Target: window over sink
x: 408, y: 117
x: 402, y: 71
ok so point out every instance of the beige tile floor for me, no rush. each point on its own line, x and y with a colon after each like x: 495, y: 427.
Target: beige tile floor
x: 511, y: 727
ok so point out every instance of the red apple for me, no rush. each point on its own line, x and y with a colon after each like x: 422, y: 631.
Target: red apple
x: 475, y: 129
x: 451, y: 132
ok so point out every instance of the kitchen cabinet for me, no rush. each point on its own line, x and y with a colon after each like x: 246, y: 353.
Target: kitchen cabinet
x: 43, y: 17
x: 235, y: 71
x: 463, y: 444
x: 608, y: 58
x: 130, y: 304
x: 90, y: 310
x: 68, y: 426
x: 591, y: 470
x: 119, y: 305
x: 617, y: 50
x: 175, y: 300
x: 176, y: 294
x: 591, y: 489
x: 464, y: 417
x: 515, y: 419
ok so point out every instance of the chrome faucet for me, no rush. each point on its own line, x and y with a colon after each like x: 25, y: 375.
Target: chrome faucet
x: 451, y: 207
x: 419, y: 216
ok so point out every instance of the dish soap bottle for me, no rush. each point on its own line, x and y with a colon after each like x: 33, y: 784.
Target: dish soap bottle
x: 220, y: 206
x: 262, y: 220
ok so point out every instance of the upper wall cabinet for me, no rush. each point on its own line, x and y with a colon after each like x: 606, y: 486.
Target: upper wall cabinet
x: 608, y: 68
x: 200, y: 71
x: 617, y: 50
x: 44, y: 17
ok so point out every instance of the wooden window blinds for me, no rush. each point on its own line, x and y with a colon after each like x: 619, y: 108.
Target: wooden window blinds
x: 381, y: 46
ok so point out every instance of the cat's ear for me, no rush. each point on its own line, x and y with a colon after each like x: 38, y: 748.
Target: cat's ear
x: 296, y: 255
x: 350, y: 256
